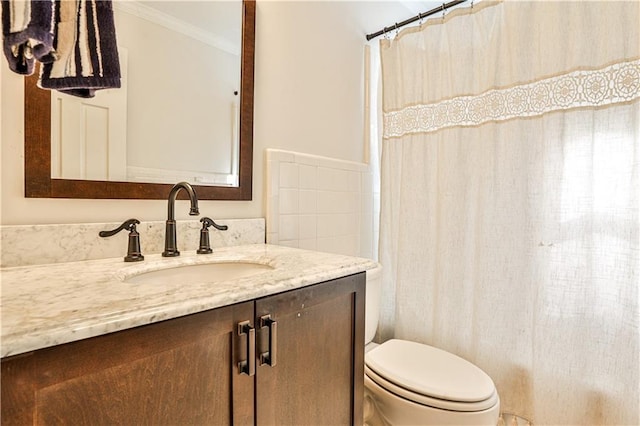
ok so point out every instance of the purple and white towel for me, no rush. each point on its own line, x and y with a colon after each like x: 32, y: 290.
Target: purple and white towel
x: 74, y: 39
x: 28, y: 30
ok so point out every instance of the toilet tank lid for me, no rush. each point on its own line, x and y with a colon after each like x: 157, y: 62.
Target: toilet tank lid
x: 430, y: 371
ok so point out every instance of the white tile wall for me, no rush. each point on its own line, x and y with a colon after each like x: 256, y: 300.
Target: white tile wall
x: 319, y: 203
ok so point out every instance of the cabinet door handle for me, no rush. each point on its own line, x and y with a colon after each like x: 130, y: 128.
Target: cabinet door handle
x: 248, y: 366
x: 270, y: 357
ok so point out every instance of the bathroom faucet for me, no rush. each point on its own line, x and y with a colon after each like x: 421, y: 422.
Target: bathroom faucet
x: 170, y: 246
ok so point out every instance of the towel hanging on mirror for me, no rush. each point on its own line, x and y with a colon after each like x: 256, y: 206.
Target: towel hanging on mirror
x: 86, y: 50
x: 28, y: 33
x: 82, y: 54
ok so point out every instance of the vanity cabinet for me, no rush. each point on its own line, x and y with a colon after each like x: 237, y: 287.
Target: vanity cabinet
x: 305, y: 366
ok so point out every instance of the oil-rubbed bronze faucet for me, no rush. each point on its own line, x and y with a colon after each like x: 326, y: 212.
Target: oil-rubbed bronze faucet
x: 133, y: 248
x: 205, y: 246
x: 170, y: 246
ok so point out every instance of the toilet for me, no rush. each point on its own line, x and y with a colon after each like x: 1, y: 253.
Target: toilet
x: 409, y: 383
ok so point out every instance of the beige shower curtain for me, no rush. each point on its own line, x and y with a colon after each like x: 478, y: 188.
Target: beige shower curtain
x: 510, y: 201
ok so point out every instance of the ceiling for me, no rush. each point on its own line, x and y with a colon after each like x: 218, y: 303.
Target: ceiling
x: 224, y: 15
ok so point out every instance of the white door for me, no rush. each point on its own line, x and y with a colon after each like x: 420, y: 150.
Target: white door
x: 89, y: 136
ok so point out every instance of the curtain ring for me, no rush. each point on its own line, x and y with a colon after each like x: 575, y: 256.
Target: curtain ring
x: 444, y: 10
x: 419, y: 18
x: 396, y: 27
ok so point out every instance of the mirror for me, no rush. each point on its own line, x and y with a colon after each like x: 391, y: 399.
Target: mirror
x: 39, y: 182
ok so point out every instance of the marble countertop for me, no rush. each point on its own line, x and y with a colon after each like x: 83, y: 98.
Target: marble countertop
x: 47, y: 305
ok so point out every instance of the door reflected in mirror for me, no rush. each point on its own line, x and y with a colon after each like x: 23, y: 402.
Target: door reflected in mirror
x: 184, y: 112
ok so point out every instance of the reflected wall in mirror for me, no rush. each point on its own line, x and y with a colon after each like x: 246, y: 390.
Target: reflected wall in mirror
x: 185, y: 126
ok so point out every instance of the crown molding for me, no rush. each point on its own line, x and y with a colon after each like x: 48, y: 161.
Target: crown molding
x: 150, y: 14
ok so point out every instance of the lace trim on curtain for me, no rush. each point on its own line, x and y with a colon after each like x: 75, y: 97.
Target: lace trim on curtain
x: 609, y: 85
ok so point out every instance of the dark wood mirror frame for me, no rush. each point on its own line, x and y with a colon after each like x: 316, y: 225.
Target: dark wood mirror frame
x: 37, y: 143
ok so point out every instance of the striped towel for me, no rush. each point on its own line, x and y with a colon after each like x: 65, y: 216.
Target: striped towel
x: 84, y: 54
x: 28, y: 32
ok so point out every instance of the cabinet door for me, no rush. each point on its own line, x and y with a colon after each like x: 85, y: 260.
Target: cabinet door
x: 318, y: 374
x: 176, y: 372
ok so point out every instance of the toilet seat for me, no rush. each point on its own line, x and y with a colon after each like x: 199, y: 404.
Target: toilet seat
x: 430, y: 376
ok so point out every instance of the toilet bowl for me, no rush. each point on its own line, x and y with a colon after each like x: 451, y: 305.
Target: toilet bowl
x: 409, y: 383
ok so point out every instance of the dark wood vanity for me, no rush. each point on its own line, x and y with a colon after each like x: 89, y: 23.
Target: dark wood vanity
x: 187, y: 370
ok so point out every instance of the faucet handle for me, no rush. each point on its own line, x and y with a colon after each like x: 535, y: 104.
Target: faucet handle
x: 133, y: 248
x: 207, y: 222
x: 205, y: 247
x: 127, y: 224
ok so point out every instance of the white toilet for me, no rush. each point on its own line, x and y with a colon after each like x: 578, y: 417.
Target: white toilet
x: 408, y: 383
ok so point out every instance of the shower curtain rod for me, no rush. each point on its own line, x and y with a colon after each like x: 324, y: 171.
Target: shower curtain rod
x: 419, y: 16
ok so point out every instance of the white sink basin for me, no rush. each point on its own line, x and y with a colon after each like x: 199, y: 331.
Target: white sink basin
x: 207, y: 272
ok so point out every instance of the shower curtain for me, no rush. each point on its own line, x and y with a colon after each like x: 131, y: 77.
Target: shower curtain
x: 510, y: 201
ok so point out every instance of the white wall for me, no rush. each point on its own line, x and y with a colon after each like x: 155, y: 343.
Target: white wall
x: 206, y: 78
x: 319, y: 203
x: 309, y: 74
x: 308, y: 98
